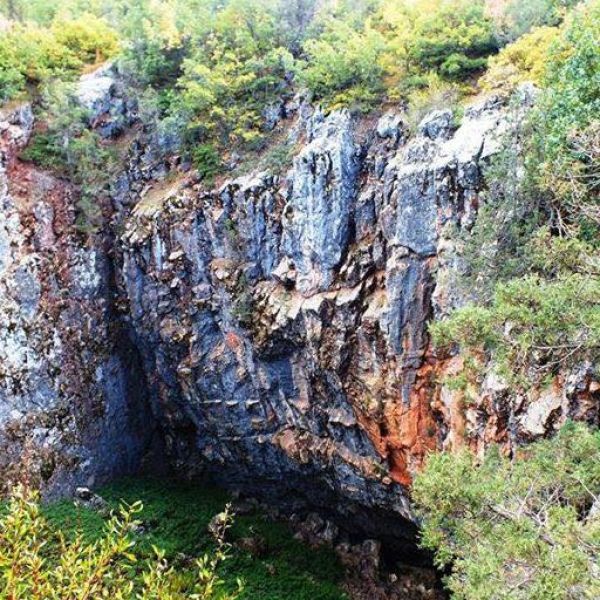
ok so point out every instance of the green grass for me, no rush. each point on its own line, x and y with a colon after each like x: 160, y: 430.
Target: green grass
x: 175, y: 518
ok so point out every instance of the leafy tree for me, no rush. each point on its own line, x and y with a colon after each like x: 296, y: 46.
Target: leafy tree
x: 454, y: 39
x: 206, y: 160
x: 71, y: 149
x: 343, y: 65
x: 232, y: 75
x: 33, y: 55
x: 89, y: 38
x: 155, y: 43
x: 535, y: 244
x: 527, y: 528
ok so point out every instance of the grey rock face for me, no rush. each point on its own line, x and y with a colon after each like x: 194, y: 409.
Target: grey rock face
x: 284, y: 320
x: 316, y: 219
x: 69, y: 412
x: 276, y: 326
x: 101, y: 94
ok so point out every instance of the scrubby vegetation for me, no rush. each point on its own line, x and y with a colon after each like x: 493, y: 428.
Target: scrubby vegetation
x: 151, y: 542
x: 528, y: 527
x: 42, y: 562
x: 32, y: 54
x: 534, y: 253
x: 211, y: 71
x: 517, y: 529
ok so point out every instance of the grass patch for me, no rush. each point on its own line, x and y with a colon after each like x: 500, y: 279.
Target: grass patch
x: 175, y: 518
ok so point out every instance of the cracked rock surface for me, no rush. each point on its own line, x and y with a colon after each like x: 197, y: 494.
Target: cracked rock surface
x: 71, y: 403
x: 271, y: 331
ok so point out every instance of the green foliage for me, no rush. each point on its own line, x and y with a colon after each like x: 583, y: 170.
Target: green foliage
x: 533, y: 326
x: 519, y: 529
x: 39, y: 562
x: 454, y: 39
x: 431, y: 92
x: 343, y: 66
x: 518, y: 17
x: 43, y: 151
x: 175, y: 518
x: 567, y: 132
x: 533, y: 257
x: 524, y: 60
x: 207, y: 161
x: 497, y: 247
x: 451, y: 37
x: 89, y: 38
x: 33, y: 55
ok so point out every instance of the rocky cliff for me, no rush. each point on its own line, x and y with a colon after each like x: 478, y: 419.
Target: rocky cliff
x: 272, y: 330
x: 72, y: 395
x: 283, y: 319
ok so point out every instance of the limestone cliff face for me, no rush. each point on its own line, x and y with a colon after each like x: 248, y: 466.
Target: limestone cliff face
x: 283, y: 319
x: 69, y: 413
x: 273, y: 330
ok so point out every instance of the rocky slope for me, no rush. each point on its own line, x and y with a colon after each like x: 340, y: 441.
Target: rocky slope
x: 274, y: 329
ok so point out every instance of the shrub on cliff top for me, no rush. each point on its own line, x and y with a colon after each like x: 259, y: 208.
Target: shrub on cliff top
x: 343, y: 66
x: 30, y: 55
x: 524, y: 60
x: 522, y: 529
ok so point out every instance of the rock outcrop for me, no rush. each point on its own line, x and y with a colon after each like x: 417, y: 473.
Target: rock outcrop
x: 283, y: 320
x: 273, y: 330
x: 72, y: 403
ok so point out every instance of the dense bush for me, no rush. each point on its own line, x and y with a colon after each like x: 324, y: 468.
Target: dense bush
x: 32, y: 55
x: 567, y: 130
x: 521, y: 529
x: 524, y: 60
x: 206, y: 160
x: 69, y: 148
x: 533, y: 326
x: 343, y: 66
x: 40, y: 562
x: 518, y: 17
x: 89, y: 38
x: 452, y: 37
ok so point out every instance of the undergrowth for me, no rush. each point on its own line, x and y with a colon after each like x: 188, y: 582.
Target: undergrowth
x: 175, y: 519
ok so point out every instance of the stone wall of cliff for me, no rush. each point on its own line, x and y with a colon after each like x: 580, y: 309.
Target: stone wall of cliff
x: 72, y: 394
x: 271, y: 332
x: 284, y: 318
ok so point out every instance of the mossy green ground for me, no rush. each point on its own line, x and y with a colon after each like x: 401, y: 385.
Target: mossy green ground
x: 175, y: 518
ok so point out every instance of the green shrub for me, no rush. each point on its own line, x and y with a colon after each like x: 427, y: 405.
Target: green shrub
x: 207, y: 161
x: 567, y: 131
x: 44, y: 152
x: 39, y: 562
x: 524, y: 60
x: 518, y: 17
x: 343, y: 65
x: 89, y: 38
x: 453, y: 38
x: 72, y: 150
x: 519, y: 529
x: 33, y: 55
x: 533, y: 327
x: 431, y: 92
